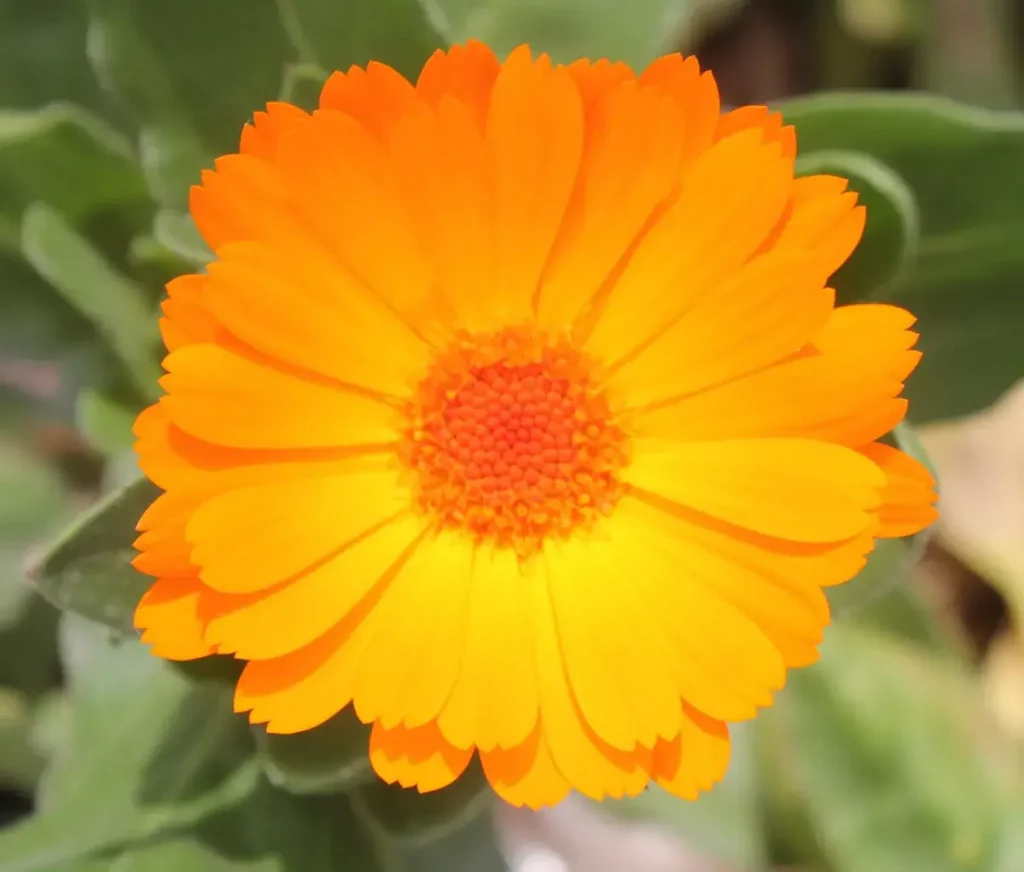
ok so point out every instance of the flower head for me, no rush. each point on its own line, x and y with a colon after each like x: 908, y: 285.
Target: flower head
x: 515, y: 411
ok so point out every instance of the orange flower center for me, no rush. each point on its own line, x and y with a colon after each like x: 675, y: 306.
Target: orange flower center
x: 511, y: 440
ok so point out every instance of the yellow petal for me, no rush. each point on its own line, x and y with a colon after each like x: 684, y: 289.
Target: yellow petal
x: 270, y: 624
x: 765, y: 311
x: 526, y: 774
x: 222, y: 397
x: 592, y: 767
x: 419, y: 758
x: 620, y: 680
x: 696, y: 760
x: 412, y: 661
x: 254, y: 537
x: 908, y: 500
x: 791, y: 488
x: 494, y: 700
x: 167, y: 615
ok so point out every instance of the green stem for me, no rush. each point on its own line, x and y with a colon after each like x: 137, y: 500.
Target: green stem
x: 473, y: 847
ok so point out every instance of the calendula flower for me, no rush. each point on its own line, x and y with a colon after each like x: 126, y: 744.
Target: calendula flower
x: 515, y: 412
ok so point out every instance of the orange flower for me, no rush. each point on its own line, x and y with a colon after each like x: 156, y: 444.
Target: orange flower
x: 515, y: 412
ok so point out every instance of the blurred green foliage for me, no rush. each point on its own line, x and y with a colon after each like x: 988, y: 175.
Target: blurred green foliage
x: 878, y: 759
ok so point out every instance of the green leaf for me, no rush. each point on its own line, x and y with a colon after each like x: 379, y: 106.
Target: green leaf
x: 888, y: 249
x: 52, y: 722
x: 111, y: 301
x: 172, y: 158
x: 723, y: 823
x: 884, y: 597
x: 120, y: 471
x: 157, y: 774
x: 192, y: 73
x: 31, y: 495
x: 302, y: 85
x: 886, y: 747
x: 1009, y: 855
x: 336, y: 35
x: 407, y: 817
x: 177, y: 232
x: 330, y: 758
x: 570, y: 29
x: 271, y: 831
x: 963, y: 167
x: 105, y: 423
x: 32, y: 504
x: 148, y: 750
x: 88, y: 569
x: 28, y: 651
x: 164, y: 745
x: 49, y: 351
x: 42, y: 55
x: 21, y: 763
x: 67, y: 158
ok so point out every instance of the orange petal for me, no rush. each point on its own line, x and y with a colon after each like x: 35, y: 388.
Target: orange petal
x: 160, y: 463
x: 187, y: 320
x: 759, y: 315
x: 870, y: 422
x: 841, y: 389
x: 630, y: 163
x: 225, y: 398
x: 822, y: 217
x: 798, y: 489
x: 696, y: 94
x: 535, y: 142
x: 260, y: 137
x: 441, y: 160
x: 376, y: 97
x: 165, y: 551
x: 597, y: 79
x: 759, y: 117
x: 465, y: 72
x: 244, y: 198
x: 309, y: 311
x: 908, y: 500
x: 165, y: 509
x: 168, y: 618
x: 419, y: 758
x: 731, y: 197
x: 696, y: 759
x: 526, y: 774
x: 875, y: 325
x: 346, y: 186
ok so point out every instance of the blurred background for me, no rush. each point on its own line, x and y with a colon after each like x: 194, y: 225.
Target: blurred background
x: 902, y: 751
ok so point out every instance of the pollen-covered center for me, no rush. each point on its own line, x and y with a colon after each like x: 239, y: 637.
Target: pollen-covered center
x: 511, y: 440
